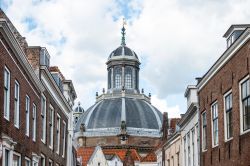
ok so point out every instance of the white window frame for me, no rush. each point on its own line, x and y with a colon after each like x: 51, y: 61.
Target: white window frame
x: 58, y: 132
x: 225, y: 115
x: 27, y: 115
x: 202, y: 132
x: 43, y: 156
x: 17, y: 104
x: 34, y: 120
x: 50, y: 161
x: 19, y: 155
x: 4, y: 156
x: 64, y: 137
x: 7, y: 94
x: 241, y: 108
x: 27, y: 159
x: 212, y: 124
x: 43, y: 118
x: 51, y: 126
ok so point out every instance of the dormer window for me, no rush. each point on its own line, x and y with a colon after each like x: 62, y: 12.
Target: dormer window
x: 44, y: 57
x: 233, y: 37
x: 234, y: 32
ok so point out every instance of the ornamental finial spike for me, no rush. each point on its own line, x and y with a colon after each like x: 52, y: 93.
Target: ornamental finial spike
x: 123, y: 43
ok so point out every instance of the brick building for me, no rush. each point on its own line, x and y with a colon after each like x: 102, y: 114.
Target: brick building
x: 35, y: 104
x: 224, y: 96
x: 20, y: 91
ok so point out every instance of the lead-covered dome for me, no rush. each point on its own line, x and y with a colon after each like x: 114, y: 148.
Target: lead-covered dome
x: 123, y: 52
x: 105, y: 117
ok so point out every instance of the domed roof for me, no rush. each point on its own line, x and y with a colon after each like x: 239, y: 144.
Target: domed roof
x: 79, y: 109
x: 106, y: 115
x: 124, y: 52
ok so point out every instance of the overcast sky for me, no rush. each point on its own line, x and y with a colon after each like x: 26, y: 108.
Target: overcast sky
x: 176, y: 40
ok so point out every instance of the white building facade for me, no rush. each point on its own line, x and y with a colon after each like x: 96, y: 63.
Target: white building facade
x: 97, y: 158
x: 189, y: 128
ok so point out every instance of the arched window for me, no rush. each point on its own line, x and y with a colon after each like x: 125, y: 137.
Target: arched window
x: 109, y: 78
x: 118, y: 77
x: 128, y: 77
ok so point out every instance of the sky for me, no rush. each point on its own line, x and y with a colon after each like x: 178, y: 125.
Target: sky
x: 176, y: 40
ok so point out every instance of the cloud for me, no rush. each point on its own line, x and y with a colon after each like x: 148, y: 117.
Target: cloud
x: 162, y: 105
x: 176, y: 40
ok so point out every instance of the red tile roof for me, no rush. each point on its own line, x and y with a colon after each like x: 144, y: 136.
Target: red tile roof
x: 151, y: 157
x: 121, y: 153
x: 85, y: 153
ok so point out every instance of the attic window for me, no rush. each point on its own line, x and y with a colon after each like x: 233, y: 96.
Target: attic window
x: 233, y: 37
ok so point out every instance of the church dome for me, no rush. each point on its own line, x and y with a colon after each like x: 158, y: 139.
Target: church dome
x: 79, y: 109
x: 105, y: 117
x: 123, y: 52
x: 122, y: 109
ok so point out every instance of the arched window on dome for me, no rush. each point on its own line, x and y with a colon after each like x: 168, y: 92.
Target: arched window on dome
x: 128, y: 77
x: 118, y: 77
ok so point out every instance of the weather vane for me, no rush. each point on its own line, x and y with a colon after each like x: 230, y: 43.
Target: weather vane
x: 123, y: 32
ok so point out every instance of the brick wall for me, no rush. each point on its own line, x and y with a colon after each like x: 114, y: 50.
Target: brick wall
x: 225, y: 79
x: 25, y: 144
x: 45, y: 150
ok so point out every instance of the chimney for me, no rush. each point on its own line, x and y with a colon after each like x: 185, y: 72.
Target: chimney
x: 165, y: 126
x: 33, y: 56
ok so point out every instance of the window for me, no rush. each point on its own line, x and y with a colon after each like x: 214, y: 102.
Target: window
x: 215, y: 124
x: 43, y: 160
x: 16, y: 105
x: 27, y: 162
x: 188, y: 143
x: 43, y: 118
x: 6, y: 158
x: 16, y: 160
x: 34, y: 122
x: 245, y: 100
x: 204, y: 131
x: 64, y: 137
x: 34, y: 163
x: 50, y: 163
x: 185, y: 157
x: 51, y: 124
x: 192, y: 132
x: 6, y: 93
x: 128, y: 77
x: 118, y: 77
x: 178, y: 159
x: 58, y: 128
x: 27, y: 114
x: 228, y: 118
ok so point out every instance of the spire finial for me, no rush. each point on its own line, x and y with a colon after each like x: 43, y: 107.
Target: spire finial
x: 123, y: 43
